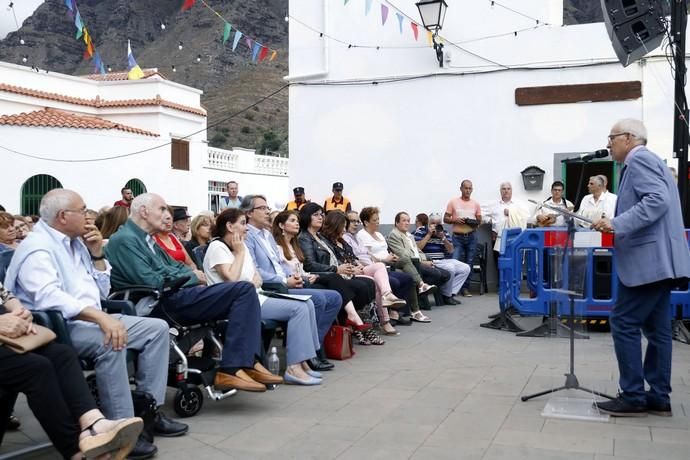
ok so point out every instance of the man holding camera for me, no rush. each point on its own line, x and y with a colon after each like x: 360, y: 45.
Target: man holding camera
x: 464, y: 214
x: 434, y: 241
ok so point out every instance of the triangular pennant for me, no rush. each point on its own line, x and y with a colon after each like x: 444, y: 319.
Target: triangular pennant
x: 248, y: 42
x: 187, y: 4
x: 430, y: 37
x: 415, y: 30
x: 226, y: 32
x: 384, y: 14
x: 236, y: 40
x: 96, y: 62
x: 400, y: 20
x: 367, y: 7
x: 263, y: 53
x: 273, y: 55
x: 86, y: 37
x: 78, y: 24
x: 255, y: 51
x: 68, y: 4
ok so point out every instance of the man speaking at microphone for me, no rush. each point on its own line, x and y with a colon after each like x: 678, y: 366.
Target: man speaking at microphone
x: 651, y: 254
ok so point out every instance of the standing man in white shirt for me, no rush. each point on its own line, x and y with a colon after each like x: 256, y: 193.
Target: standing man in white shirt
x: 61, y: 266
x: 600, y: 203
x: 233, y: 200
x: 506, y: 213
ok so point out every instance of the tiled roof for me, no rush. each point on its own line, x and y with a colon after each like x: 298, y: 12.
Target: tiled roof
x: 118, y: 76
x: 98, y: 102
x: 54, y: 118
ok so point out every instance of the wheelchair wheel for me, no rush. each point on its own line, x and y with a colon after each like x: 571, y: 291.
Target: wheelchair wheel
x: 188, y: 401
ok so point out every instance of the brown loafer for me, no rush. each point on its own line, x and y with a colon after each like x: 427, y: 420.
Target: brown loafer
x: 262, y: 375
x: 239, y: 381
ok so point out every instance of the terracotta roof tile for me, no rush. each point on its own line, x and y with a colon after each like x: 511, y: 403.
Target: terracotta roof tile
x: 119, y: 76
x: 98, y: 102
x: 54, y: 118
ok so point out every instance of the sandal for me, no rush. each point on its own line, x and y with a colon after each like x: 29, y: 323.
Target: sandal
x: 419, y: 317
x: 118, y: 441
x: 361, y: 338
x: 373, y: 337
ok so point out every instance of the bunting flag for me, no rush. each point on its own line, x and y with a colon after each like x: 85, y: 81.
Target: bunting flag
x: 400, y: 20
x: 226, y: 32
x: 384, y: 14
x: 273, y: 55
x: 78, y: 24
x: 135, y: 72
x: 415, y: 30
x: 187, y: 4
x: 248, y: 42
x: 98, y: 64
x: 367, y: 7
x: 89, y: 45
x: 236, y: 40
x: 255, y: 51
x: 68, y: 4
x: 263, y: 53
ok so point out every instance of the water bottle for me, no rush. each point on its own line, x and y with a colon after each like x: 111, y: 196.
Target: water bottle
x: 274, y: 362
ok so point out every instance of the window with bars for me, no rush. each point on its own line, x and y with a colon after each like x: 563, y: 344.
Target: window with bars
x: 33, y: 190
x: 136, y: 186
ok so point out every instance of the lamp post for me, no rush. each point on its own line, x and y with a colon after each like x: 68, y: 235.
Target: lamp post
x: 433, y: 13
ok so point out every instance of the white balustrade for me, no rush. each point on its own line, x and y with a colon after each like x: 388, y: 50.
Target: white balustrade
x: 247, y: 161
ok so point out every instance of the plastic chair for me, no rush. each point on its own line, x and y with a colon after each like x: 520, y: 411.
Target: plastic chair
x: 478, y: 268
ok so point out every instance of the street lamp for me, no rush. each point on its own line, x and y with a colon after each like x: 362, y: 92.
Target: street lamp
x: 433, y: 13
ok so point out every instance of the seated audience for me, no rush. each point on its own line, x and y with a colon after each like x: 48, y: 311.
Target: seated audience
x: 400, y: 282
x: 137, y: 260
x: 61, y: 266
x: 113, y: 219
x: 8, y: 234
x: 333, y: 230
x: 319, y: 259
x: 52, y: 380
x: 266, y: 255
x: 434, y: 242
x: 376, y: 244
x: 228, y: 259
x: 181, y: 224
x: 21, y: 228
x: 167, y: 240
x: 201, y: 235
x: 91, y: 216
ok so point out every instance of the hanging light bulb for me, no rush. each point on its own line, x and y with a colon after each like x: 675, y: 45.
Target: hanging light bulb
x: 21, y: 41
x: 198, y: 58
x: 180, y: 46
x: 110, y: 69
x: 174, y: 69
x: 287, y: 18
x: 25, y: 58
x: 162, y: 26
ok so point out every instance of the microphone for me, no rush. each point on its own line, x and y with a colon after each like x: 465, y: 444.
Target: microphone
x: 601, y: 153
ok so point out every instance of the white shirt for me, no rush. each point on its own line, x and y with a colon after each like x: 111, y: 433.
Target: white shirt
x: 219, y: 253
x: 560, y: 220
x: 596, y: 209
x: 39, y: 281
x: 495, y: 213
x: 377, y: 247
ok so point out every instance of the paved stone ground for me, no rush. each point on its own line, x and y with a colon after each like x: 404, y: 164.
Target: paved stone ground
x: 445, y: 390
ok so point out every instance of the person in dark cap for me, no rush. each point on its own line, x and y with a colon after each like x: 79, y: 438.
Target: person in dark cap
x: 298, y: 202
x: 337, y: 201
x: 181, y: 224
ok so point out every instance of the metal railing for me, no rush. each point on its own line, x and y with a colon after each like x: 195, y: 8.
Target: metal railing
x: 246, y: 161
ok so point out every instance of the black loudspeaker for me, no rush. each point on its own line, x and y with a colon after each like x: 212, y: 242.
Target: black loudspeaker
x: 603, y: 272
x: 635, y: 27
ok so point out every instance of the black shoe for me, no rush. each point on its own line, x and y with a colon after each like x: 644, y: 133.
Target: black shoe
x: 142, y: 450
x: 402, y: 321
x: 318, y: 365
x: 450, y: 301
x: 168, y: 428
x: 619, y: 407
x: 13, y: 423
x: 661, y: 410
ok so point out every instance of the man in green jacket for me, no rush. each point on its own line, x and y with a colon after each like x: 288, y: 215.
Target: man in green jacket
x: 137, y: 260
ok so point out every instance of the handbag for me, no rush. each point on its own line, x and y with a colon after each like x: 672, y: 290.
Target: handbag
x: 29, y: 342
x: 338, y: 343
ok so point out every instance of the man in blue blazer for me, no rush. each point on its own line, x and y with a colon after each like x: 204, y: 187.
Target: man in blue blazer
x: 651, y: 254
x: 264, y: 250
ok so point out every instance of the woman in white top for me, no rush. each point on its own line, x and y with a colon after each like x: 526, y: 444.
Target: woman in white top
x: 228, y: 259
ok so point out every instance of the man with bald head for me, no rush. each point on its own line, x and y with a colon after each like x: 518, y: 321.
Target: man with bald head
x: 61, y: 266
x: 651, y: 256
x: 137, y: 260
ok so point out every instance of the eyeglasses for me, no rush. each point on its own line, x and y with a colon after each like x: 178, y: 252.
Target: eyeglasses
x: 613, y: 136
x: 263, y: 208
x: 79, y: 211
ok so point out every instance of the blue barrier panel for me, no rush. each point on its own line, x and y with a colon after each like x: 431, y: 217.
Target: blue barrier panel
x: 531, y: 271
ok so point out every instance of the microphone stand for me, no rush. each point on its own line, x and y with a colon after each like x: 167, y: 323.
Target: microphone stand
x: 571, y: 381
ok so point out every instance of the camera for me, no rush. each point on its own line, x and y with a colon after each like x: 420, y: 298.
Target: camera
x: 439, y: 229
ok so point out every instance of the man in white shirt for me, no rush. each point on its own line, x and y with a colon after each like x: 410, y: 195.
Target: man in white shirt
x: 546, y: 217
x: 506, y: 213
x: 61, y: 266
x: 600, y: 203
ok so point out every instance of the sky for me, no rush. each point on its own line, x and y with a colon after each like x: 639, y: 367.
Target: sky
x: 22, y: 8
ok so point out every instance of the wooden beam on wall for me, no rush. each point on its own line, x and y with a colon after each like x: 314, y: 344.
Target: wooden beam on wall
x: 591, y: 92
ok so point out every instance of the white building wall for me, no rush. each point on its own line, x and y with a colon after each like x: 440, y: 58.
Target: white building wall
x: 407, y: 145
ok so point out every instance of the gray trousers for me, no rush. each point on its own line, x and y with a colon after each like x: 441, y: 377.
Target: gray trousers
x: 147, y: 336
x: 459, y: 271
x: 302, y: 333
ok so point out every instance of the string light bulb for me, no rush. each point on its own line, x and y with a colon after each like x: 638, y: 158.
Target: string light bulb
x: 25, y: 58
x: 180, y: 46
x: 287, y: 18
x: 162, y: 26
x: 174, y: 69
x: 21, y: 41
x: 110, y: 69
x: 198, y: 58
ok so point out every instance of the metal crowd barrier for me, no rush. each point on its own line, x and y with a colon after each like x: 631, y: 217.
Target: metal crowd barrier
x: 532, y: 273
